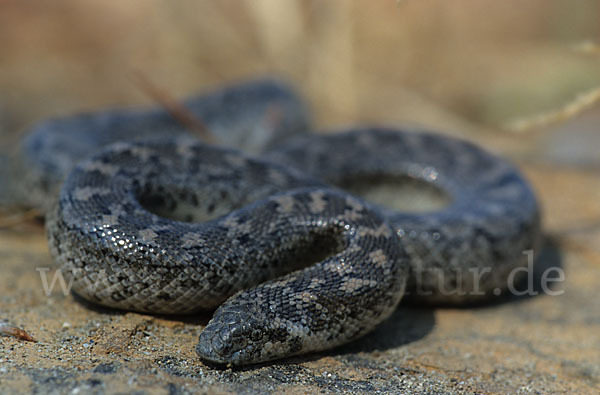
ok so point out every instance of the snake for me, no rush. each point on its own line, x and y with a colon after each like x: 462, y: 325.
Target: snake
x: 250, y: 114
x: 303, y: 247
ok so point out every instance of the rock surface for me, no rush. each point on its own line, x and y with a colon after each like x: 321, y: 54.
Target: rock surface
x: 524, y: 344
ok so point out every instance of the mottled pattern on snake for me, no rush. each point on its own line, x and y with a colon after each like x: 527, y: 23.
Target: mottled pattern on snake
x: 177, y: 226
x: 105, y: 233
x: 252, y: 114
x: 485, y: 215
x: 249, y: 221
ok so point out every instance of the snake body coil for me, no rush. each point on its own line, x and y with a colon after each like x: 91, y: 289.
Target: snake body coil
x: 121, y: 254
x: 295, y: 262
x: 463, y: 246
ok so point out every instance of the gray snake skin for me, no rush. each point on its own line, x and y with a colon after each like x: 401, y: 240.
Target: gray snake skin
x: 297, y: 249
x: 252, y: 115
x: 462, y: 248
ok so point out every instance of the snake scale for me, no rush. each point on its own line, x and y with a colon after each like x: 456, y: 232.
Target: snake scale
x: 302, y: 248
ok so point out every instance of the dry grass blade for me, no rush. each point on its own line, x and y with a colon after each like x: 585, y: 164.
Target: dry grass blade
x: 178, y: 111
x: 581, y: 102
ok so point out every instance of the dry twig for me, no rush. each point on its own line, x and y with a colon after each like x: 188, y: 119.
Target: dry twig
x: 14, y: 331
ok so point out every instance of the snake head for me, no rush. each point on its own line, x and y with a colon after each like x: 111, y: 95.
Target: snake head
x: 239, y: 334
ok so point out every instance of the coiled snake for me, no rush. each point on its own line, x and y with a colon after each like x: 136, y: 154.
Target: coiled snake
x: 291, y: 247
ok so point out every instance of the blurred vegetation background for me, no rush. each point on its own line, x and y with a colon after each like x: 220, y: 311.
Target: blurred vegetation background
x: 483, y: 65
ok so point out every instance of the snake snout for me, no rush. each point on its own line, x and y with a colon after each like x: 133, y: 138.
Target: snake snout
x: 227, y: 338
x: 240, y: 333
